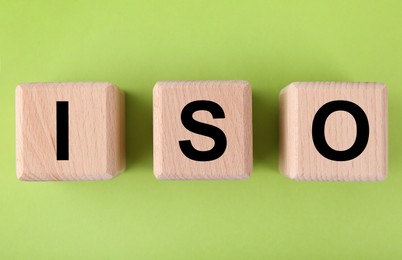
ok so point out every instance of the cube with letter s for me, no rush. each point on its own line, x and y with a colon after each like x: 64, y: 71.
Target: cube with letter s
x: 202, y: 130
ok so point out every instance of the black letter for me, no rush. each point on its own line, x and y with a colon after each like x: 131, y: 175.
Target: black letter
x: 362, y: 130
x: 203, y: 129
x: 62, y: 130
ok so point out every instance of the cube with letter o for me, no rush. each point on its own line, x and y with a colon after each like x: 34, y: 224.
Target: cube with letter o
x: 334, y: 131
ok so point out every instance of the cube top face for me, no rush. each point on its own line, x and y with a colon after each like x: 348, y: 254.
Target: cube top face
x: 310, y: 106
x: 171, y: 101
x: 95, y: 131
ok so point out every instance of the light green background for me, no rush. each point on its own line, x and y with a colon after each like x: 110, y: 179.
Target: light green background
x: 136, y: 43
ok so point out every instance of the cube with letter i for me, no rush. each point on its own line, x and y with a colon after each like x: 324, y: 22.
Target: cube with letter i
x: 69, y: 131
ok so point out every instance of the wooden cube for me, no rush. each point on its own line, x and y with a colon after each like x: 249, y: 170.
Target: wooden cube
x: 202, y: 130
x: 69, y: 131
x: 333, y: 131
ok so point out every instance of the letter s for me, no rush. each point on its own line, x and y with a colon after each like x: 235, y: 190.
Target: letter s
x: 203, y: 129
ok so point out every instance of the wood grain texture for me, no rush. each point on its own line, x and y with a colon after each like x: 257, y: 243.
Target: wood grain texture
x: 96, y: 131
x: 169, y: 100
x: 299, y: 158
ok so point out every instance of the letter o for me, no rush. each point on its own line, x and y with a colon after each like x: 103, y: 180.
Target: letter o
x: 362, y: 130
